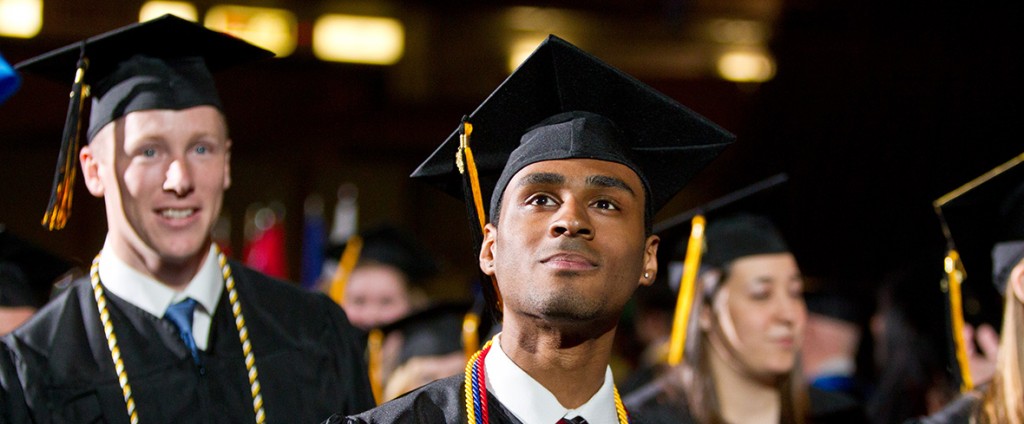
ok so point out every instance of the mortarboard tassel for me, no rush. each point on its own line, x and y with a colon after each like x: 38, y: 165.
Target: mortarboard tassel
x: 951, y: 285
x: 470, y: 337
x: 687, y: 291
x: 346, y: 264
x: 59, y: 209
x: 471, y: 181
x: 374, y: 342
x: 955, y: 274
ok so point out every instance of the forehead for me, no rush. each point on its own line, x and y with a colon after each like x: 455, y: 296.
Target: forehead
x: 578, y: 170
x: 163, y: 122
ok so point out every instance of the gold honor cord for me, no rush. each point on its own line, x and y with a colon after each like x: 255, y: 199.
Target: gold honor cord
x: 59, y: 208
x: 243, y: 337
x: 465, y: 152
x: 374, y: 342
x: 346, y: 264
x: 954, y: 276
x: 470, y: 337
x: 687, y: 291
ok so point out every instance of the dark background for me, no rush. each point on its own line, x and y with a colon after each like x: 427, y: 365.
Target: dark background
x: 876, y: 109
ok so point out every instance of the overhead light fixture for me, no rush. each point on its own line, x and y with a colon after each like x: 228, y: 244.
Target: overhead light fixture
x: 746, y: 66
x: 156, y: 9
x: 273, y: 29
x: 21, y: 18
x: 358, y: 39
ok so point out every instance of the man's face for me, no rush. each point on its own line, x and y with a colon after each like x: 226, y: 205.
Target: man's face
x: 761, y: 313
x: 569, y: 247
x: 162, y: 175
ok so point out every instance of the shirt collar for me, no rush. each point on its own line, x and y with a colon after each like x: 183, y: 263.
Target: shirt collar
x: 154, y: 297
x: 532, y: 403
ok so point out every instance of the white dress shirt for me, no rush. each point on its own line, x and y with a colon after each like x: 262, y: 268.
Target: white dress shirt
x: 532, y: 403
x: 154, y: 297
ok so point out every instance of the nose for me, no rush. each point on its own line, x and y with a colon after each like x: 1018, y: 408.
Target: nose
x: 790, y: 310
x: 571, y: 221
x: 178, y: 178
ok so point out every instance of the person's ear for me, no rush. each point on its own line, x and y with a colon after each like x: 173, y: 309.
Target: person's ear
x: 487, y: 250
x: 1016, y: 283
x: 650, y: 261
x: 87, y: 157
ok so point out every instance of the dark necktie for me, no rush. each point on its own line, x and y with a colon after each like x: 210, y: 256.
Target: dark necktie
x: 577, y: 420
x: 180, y: 314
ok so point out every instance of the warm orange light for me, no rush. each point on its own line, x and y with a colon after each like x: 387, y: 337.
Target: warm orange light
x: 746, y: 66
x: 156, y: 9
x: 358, y: 39
x: 521, y: 49
x: 273, y: 29
x: 21, y: 18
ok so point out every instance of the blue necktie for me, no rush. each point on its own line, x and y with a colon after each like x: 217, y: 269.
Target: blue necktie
x: 180, y: 314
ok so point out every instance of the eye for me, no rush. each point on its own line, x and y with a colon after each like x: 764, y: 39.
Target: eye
x: 540, y: 200
x: 149, y: 152
x: 202, y: 150
x: 606, y: 204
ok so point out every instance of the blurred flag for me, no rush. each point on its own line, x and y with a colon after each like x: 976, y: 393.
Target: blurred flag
x: 314, y: 240
x: 265, y: 250
x: 9, y: 80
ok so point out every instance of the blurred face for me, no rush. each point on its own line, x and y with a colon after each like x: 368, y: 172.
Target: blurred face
x: 569, y: 247
x: 162, y: 175
x: 376, y: 295
x: 761, y: 314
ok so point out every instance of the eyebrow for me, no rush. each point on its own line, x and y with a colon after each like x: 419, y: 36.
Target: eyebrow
x: 541, y: 178
x: 609, y: 182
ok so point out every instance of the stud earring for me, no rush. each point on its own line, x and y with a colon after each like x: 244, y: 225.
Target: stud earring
x: 647, y: 275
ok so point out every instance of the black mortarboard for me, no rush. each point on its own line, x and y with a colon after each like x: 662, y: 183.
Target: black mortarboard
x: 983, y: 222
x: 27, y: 272
x: 728, y: 228
x: 436, y: 330
x: 563, y: 103
x: 164, y: 63
x: 385, y: 245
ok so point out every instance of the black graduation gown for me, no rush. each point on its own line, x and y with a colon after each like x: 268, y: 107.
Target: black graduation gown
x: 57, y: 368
x: 959, y: 411
x: 650, y: 404
x: 441, y: 401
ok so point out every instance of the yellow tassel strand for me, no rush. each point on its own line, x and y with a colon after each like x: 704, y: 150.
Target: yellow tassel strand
x: 59, y: 209
x: 954, y: 276
x: 465, y: 152
x: 374, y: 342
x: 346, y: 264
x: 687, y: 289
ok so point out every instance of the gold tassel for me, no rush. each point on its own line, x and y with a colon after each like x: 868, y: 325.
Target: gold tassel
x: 687, y: 291
x: 346, y: 264
x: 954, y: 276
x: 466, y: 153
x: 470, y: 337
x: 373, y: 346
x: 59, y: 208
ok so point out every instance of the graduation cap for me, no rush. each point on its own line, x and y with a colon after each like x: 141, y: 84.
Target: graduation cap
x: 739, y: 226
x: 164, y: 63
x: 386, y: 245
x: 983, y: 222
x: 435, y: 330
x: 27, y: 272
x: 563, y: 103
x: 9, y: 80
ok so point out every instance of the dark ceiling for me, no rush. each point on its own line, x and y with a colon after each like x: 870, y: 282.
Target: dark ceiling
x: 876, y: 109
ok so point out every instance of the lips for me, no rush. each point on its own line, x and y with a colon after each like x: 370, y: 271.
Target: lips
x: 569, y: 261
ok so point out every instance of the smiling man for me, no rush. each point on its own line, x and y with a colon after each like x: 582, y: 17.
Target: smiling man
x: 576, y: 157
x: 166, y: 329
